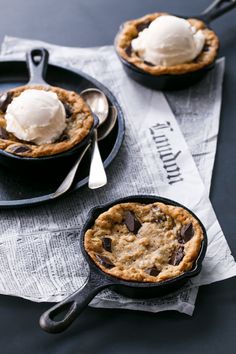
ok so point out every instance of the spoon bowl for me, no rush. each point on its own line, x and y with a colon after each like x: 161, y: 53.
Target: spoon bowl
x: 97, y: 102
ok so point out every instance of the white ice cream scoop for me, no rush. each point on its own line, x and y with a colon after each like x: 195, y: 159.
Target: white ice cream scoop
x: 169, y: 40
x: 37, y: 116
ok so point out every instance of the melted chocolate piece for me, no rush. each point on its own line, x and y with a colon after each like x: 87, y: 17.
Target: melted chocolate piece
x: 3, y: 133
x: 186, y: 233
x: 106, y: 244
x: 131, y: 222
x: 128, y: 50
x: 147, y: 63
x: 140, y: 27
x: 5, y: 99
x: 67, y: 109
x: 154, y: 271
x: 177, y: 256
x: 105, y: 261
x: 64, y: 137
x: 206, y: 48
x: 20, y: 148
x: 179, y: 238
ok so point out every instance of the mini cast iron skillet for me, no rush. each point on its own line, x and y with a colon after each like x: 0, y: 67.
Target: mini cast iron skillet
x: 178, y: 81
x: 37, y: 61
x: 99, y: 280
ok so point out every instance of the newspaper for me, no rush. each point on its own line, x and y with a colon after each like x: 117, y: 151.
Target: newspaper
x: 40, y: 259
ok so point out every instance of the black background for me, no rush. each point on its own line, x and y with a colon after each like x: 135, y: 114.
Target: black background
x: 212, y: 327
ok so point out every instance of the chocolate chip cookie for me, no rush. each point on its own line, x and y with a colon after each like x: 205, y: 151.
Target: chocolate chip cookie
x: 79, y: 122
x: 144, y: 242
x: 131, y: 30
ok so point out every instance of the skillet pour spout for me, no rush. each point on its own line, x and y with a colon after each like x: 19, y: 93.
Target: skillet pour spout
x: 97, y: 281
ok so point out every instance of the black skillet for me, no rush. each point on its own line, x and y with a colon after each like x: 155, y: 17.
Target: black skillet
x: 17, y: 187
x: 178, y: 81
x: 72, y: 306
x: 37, y: 62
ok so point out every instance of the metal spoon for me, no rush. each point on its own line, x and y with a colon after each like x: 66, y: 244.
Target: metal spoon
x: 105, y: 129
x: 98, y: 104
x: 103, y: 132
x: 67, y: 182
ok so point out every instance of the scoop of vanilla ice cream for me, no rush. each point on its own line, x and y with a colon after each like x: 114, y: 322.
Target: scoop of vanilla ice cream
x: 169, y: 40
x: 37, y: 116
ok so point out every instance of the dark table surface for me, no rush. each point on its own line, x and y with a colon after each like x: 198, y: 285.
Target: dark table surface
x: 212, y: 327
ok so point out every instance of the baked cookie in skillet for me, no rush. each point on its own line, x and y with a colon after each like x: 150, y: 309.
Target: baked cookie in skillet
x: 133, y: 28
x: 78, y: 124
x: 144, y: 242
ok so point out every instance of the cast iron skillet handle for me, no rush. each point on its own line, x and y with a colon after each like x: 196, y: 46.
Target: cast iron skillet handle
x: 216, y: 9
x: 73, y: 305
x: 37, y: 61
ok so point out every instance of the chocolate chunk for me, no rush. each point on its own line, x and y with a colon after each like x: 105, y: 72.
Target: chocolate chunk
x: 67, y: 110
x: 141, y: 26
x: 154, y: 271
x: 20, y: 149
x: 177, y: 256
x: 5, y: 99
x: 131, y: 222
x: 179, y: 238
x: 128, y: 50
x: 3, y: 133
x: 106, y: 244
x: 206, y: 48
x: 147, y: 63
x: 186, y: 233
x: 64, y: 137
x: 105, y: 261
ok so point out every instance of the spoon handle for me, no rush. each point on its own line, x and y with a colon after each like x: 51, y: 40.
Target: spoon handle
x: 97, y: 174
x: 67, y: 182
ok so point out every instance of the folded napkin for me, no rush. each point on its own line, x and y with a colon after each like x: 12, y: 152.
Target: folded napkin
x: 39, y: 247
